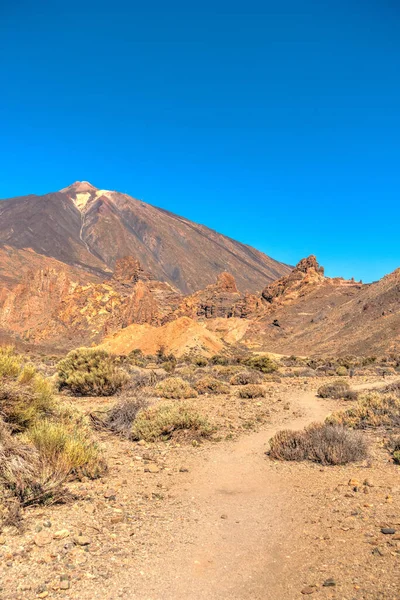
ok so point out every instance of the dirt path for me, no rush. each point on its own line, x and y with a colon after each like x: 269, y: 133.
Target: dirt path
x: 241, y: 528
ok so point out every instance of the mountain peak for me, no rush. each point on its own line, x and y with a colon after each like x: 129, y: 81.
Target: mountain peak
x: 79, y: 187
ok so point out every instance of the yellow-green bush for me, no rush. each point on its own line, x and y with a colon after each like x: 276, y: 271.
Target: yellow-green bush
x: 161, y: 421
x: 262, y: 363
x: 90, y: 372
x: 176, y: 388
x: 67, y: 448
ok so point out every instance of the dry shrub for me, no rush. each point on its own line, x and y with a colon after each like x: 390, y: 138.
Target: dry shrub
x: 372, y: 410
x: 176, y: 388
x: 120, y: 418
x: 90, y: 372
x: 246, y: 378
x: 10, y: 363
x: 251, y: 391
x: 337, y: 389
x: 160, y: 422
x: 210, y: 385
x: 321, y: 443
x: 341, y: 371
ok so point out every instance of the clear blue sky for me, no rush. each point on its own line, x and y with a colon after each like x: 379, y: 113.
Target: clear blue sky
x: 274, y: 122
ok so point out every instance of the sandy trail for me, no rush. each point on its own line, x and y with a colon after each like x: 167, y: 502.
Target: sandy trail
x: 242, y: 535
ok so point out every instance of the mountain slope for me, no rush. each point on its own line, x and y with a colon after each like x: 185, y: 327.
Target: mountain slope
x: 83, y: 226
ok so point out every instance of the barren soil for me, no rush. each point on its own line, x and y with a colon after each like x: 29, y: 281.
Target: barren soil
x: 217, y: 521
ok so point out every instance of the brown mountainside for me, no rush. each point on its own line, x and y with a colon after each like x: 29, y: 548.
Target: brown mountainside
x: 91, y: 228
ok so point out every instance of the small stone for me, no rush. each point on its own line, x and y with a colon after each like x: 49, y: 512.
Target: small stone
x: 43, y: 538
x: 141, y: 443
x: 2, y: 540
x: 329, y: 582
x: 110, y: 494
x: 224, y: 516
x: 43, y: 594
x: 117, y: 519
x: 81, y: 540
x: 310, y: 589
x: 378, y: 552
x: 354, y: 483
x: 388, y: 530
x: 64, y: 585
x: 61, y: 534
x: 183, y: 470
x: 47, y: 524
x: 151, y: 469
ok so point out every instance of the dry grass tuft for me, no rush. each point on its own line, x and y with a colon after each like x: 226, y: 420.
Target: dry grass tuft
x: 372, y: 410
x: 246, y: 378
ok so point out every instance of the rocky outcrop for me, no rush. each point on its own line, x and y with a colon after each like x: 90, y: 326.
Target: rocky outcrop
x: 306, y: 273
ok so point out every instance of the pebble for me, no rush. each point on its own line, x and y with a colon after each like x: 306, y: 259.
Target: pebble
x: 81, y: 540
x: 329, y: 582
x: 388, y: 530
x: 61, y: 534
x: 2, y: 540
x: 43, y: 538
x: 183, y: 470
x: 151, y: 469
x: 308, y: 590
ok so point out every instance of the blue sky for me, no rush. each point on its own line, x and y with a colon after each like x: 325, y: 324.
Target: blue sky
x: 276, y: 123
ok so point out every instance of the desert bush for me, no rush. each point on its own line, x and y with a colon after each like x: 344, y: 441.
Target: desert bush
x: 251, y: 391
x: 337, y: 389
x: 21, y: 405
x: 160, y: 422
x: 321, y: 443
x: 341, y: 371
x: 24, y: 477
x: 245, y: 378
x: 66, y: 449
x: 120, y: 418
x: 262, y: 363
x: 90, y: 372
x: 371, y: 411
x: 393, y: 445
x: 175, y: 387
x: 219, y: 359
x: 210, y: 385
x: 10, y: 363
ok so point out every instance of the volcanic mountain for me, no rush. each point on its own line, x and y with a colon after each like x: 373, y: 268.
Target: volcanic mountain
x: 91, y: 229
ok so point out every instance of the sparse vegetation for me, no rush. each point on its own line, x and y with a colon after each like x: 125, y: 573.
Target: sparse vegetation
x: 120, y: 418
x: 246, y: 378
x: 210, y: 385
x: 176, y: 388
x: 162, y: 421
x: 322, y: 443
x: 341, y: 371
x: 393, y: 446
x: 90, y: 372
x: 337, y: 389
x: 372, y: 410
x: 251, y: 391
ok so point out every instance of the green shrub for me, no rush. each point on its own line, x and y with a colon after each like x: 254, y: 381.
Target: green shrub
x: 251, y: 391
x: 90, y: 372
x: 219, y: 359
x: 337, y: 389
x: 10, y: 363
x: 394, y: 447
x: 262, y: 363
x: 175, y: 387
x: 322, y: 443
x: 210, y: 385
x: 160, y: 422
